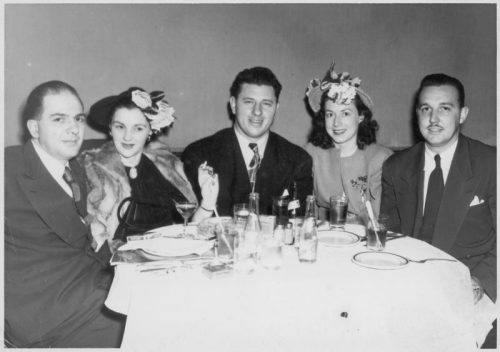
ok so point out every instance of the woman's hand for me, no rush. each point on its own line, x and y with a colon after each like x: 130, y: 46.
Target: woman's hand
x: 209, y: 184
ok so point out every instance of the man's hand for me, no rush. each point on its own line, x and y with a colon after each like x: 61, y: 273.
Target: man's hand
x: 477, y: 289
x: 209, y: 184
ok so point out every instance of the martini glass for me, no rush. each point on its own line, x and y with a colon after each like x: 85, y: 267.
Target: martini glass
x: 186, y: 209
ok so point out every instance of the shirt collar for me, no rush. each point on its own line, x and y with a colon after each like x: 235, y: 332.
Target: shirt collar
x: 446, y: 159
x: 53, y: 165
x: 244, y: 141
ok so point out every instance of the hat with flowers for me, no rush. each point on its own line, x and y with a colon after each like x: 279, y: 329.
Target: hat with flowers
x: 340, y: 88
x: 156, y: 110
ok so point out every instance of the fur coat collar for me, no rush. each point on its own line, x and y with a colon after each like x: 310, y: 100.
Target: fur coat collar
x: 109, y: 185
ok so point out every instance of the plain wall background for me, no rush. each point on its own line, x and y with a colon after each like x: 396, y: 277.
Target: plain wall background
x: 194, y: 51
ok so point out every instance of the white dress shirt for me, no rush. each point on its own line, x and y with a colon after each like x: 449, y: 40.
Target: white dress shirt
x: 430, y: 164
x: 243, y: 141
x: 54, y: 167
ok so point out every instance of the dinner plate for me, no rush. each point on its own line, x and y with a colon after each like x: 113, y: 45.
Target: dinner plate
x: 337, y: 238
x: 358, y: 229
x: 170, y: 247
x: 380, y: 260
x: 173, y: 231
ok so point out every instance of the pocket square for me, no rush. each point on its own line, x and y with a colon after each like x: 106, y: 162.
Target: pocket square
x: 476, y: 201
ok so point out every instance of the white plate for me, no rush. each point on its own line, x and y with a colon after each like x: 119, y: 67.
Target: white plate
x: 174, y: 231
x: 380, y: 260
x: 170, y: 247
x: 358, y: 229
x: 336, y: 238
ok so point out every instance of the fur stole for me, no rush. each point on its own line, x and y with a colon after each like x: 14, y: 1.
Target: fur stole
x: 108, y: 183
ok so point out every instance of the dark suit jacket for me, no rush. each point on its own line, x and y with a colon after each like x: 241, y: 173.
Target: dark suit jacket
x: 466, y: 232
x: 55, y: 284
x: 283, y: 163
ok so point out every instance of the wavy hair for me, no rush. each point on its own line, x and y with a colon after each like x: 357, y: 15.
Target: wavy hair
x: 366, y: 130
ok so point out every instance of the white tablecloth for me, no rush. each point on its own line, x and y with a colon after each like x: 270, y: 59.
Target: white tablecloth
x: 331, y: 305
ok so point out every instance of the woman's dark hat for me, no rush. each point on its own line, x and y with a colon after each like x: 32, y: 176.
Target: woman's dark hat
x: 341, y: 88
x: 157, y: 111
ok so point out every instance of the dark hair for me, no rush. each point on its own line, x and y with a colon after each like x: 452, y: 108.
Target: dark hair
x: 123, y: 102
x: 255, y: 75
x: 441, y: 79
x: 366, y: 129
x: 34, y: 104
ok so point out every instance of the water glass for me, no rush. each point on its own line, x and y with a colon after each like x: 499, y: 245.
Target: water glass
x: 376, y: 234
x: 271, y: 256
x: 245, y: 261
x: 226, y: 242
x: 280, y: 209
x: 338, y: 211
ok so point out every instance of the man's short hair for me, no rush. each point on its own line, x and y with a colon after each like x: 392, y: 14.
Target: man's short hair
x: 255, y: 75
x: 34, y: 103
x: 441, y: 79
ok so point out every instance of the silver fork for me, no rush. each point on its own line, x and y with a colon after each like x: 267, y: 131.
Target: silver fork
x: 426, y: 260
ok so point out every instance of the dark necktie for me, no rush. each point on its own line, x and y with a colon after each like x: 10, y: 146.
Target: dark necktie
x: 75, y: 187
x: 254, y: 163
x: 435, y: 189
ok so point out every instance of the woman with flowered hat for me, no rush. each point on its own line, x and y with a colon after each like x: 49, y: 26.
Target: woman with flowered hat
x: 346, y: 160
x: 134, y: 181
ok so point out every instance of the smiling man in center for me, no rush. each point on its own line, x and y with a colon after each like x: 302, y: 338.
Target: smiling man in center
x: 248, y: 156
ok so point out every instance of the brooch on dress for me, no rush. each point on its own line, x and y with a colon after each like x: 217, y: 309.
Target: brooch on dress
x: 133, y: 173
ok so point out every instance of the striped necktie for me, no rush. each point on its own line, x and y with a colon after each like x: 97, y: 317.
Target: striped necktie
x: 435, y: 190
x: 254, y: 163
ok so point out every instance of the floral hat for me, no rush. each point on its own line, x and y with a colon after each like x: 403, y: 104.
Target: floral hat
x: 341, y: 88
x: 157, y: 111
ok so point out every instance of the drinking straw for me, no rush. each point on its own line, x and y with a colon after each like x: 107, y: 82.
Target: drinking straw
x: 373, y: 221
x: 223, y: 235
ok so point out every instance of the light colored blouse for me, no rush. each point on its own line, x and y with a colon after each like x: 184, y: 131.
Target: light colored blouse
x: 354, y: 175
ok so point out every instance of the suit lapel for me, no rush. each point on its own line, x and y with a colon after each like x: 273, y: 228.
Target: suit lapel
x: 411, y: 192
x: 230, y: 166
x: 457, y: 195
x: 48, y: 199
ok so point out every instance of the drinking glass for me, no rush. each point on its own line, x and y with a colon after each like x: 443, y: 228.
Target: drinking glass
x: 338, y: 211
x: 240, y: 212
x: 186, y: 209
x: 226, y: 241
x: 376, y: 234
x: 271, y: 256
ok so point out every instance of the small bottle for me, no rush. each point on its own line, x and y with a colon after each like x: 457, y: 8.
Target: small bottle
x: 293, y: 212
x: 294, y: 204
x: 253, y: 229
x: 308, y: 243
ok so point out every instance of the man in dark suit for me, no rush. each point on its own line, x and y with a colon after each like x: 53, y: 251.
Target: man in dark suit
x: 443, y: 190
x: 249, y: 156
x: 55, y: 281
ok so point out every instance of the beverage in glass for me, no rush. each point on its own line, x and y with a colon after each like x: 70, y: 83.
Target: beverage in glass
x: 338, y: 211
x: 226, y: 241
x: 240, y: 212
x: 376, y: 235
x: 186, y: 209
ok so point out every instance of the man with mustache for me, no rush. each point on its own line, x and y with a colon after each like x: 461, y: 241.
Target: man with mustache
x: 56, y: 281
x: 443, y: 190
x: 248, y: 156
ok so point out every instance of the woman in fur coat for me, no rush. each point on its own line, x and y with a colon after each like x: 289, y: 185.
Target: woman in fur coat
x: 134, y: 184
